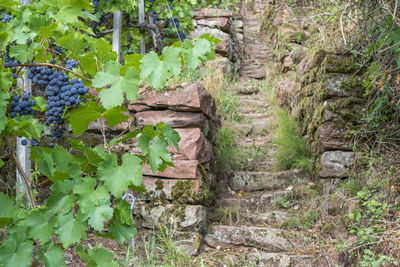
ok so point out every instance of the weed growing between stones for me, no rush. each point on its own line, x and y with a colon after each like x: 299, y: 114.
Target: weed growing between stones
x: 218, y: 86
x: 292, y: 151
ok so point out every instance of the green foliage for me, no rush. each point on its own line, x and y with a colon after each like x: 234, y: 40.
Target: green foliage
x: 83, y: 178
x: 292, y: 151
x: 227, y: 154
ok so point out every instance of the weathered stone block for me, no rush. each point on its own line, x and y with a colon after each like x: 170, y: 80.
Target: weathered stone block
x: 182, y: 97
x: 220, y: 23
x: 222, y: 47
x: 333, y: 137
x: 183, y: 169
x: 261, y: 237
x: 199, y: 31
x: 336, y: 164
x: 212, y: 13
x: 172, y: 118
x: 174, y: 216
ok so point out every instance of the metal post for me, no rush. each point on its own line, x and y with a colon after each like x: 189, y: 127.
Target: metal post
x: 23, y: 152
x: 141, y: 20
x: 116, y: 43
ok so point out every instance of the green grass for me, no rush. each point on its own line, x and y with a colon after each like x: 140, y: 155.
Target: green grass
x: 227, y: 154
x: 292, y: 151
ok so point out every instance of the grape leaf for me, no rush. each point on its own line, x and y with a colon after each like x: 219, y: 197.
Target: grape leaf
x: 96, y: 257
x: 95, y: 204
x: 15, y: 253
x: 91, y: 158
x: 71, y: 230
x: 51, y: 255
x: 128, y: 84
x: 21, y: 52
x: 196, y: 53
x: 114, y: 116
x: 61, y: 200
x: 3, y: 107
x: 65, y: 166
x: 28, y: 126
x: 39, y: 226
x: 158, y: 69
x: 133, y: 60
x: 118, y: 178
x: 158, y: 154
x: 40, y: 103
x: 7, y: 211
x: 122, y: 232
x: 79, y: 123
x: 172, y: 136
x: 102, y: 50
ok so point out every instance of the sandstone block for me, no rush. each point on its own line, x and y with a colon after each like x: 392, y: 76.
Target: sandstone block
x: 279, y: 260
x: 172, y: 118
x: 183, y: 169
x: 333, y: 137
x: 219, y: 23
x: 183, y: 97
x: 222, y: 47
x: 171, y: 216
x: 336, y: 164
x: 212, y: 13
x: 333, y: 86
x: 199, y: 31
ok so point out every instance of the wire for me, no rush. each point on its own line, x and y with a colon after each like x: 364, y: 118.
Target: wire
x: 173, y: 21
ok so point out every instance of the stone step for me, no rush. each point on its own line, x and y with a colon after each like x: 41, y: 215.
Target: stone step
x: 254, y: 116
x: 255, y: 74
x: 252, y: 101
x: 261, y: 258
x: 258, y: 142
x: 253, y: 128
x: 258, y: 201
x: 247, y: 90
x: 273, y: 217
x: 256, y: 181
x: 266, y: 238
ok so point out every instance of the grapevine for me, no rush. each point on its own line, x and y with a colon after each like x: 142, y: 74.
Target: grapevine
x: 58, y: 52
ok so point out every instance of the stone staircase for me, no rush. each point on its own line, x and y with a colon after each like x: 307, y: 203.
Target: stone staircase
x: 249, y: 234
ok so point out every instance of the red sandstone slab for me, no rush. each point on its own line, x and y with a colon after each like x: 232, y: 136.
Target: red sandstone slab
x: 221, y: 23
x: 183, y: 169
x: 172, y: 118
x: 183, y: 97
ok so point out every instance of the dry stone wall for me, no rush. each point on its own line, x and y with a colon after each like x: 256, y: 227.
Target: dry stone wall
x: 320, y: 88
x: 228, y: 27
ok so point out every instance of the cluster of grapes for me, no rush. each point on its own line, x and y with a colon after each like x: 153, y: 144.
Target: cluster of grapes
x: 61, y: 93
x: 71, y: 64
x: 7, y: 18
x: 96, y: 4
x: 9, y: 63
x: 22, y: 108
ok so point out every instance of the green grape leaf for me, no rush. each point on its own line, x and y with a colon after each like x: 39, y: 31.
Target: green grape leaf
x: 1, y: 165
x: 61, y: 200
x: 133, y: 60
x: 123, y: 212
x: 21, y: 52
x: 28, y: 126
x: 114, y: 116
x: 118, y: 178
x: 91, y: 158
x: 102, y: 51
x: 122, y: 232
x: 14, y: 253
x: 195, y: 54
x: 51, y: 255
x: 172, y: 136
x: 212, y: 39
x: 44, y: 161
x: 40, y: 104
x: 128, y: 84
x: 158, y: 154
x: 158, y: 69
x: 39, y: 226
x: 79, y: 123
x: 3, y: 107
x: 71, y: 230
x: 95, y: 204
x: 96, y: 257
x: 66, y: 167
x: 7, y: 211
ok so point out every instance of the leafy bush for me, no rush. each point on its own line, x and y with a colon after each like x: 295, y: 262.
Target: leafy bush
x: 292, y: 151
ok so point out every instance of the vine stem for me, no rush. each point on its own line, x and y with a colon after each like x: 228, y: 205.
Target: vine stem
x: 55, y: 66
x: 27, y: 182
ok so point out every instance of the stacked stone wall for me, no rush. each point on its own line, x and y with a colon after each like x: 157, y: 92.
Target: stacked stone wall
x: 320, y: 88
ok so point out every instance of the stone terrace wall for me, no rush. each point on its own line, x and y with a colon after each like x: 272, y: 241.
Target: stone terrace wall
x: 175, y: 198
x: 319, y: 88
x: 226, y: 26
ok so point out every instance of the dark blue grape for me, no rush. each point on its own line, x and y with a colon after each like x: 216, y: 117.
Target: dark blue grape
x: 24, y: 142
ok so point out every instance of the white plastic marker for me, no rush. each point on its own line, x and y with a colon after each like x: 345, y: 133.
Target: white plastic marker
x: 141, y: 20
x: 23, y: 152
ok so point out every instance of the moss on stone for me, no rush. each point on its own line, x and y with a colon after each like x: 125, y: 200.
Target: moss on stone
x: 340, y: 63
x: 183, y: 192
